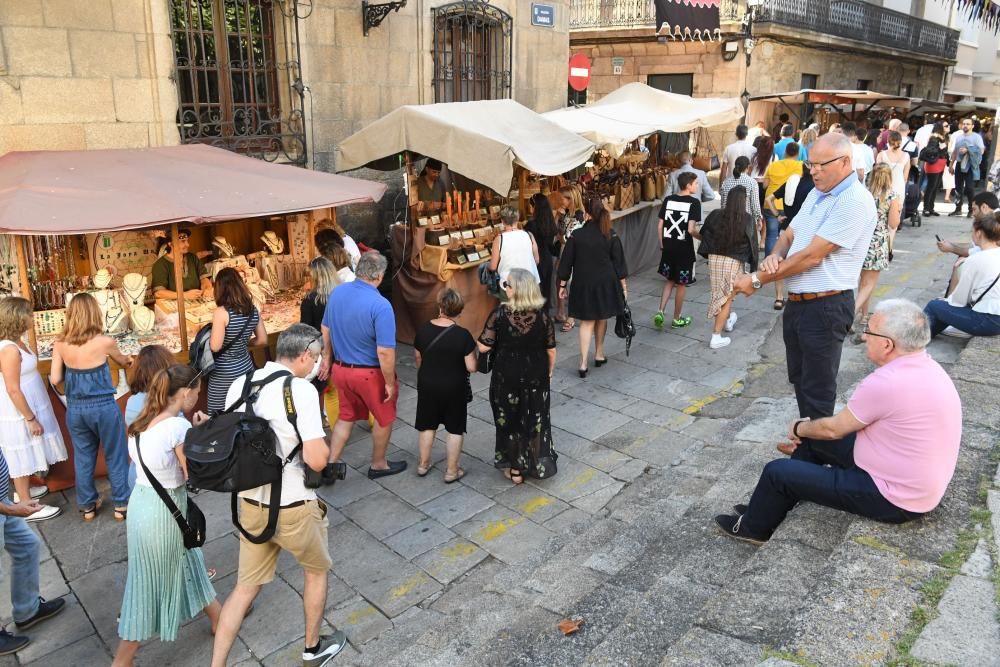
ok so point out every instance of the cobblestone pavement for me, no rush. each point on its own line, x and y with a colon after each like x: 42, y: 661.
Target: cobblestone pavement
x: 651, y: 446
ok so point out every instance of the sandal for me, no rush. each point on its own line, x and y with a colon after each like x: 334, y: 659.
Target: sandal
x: 121, y: 513
x: 514, y: 475
x: 422, y: 470
x: 779, y: 304
x: 90, y: 513
x: 451, y: 479
x: 568, y: 325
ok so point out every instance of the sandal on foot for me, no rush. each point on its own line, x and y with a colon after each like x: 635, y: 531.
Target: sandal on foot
x: 121, y: 513
x: 568, y: 325
x: 516, y: 476
x: 779, y: 304
x: 451, y: 479
x: 422, y: 470
x: 90, y: 513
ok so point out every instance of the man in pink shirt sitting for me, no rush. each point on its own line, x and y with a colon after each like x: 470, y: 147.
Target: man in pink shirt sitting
x: 889, y: 455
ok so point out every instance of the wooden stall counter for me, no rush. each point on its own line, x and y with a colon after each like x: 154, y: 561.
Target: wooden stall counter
x: 415, y: 288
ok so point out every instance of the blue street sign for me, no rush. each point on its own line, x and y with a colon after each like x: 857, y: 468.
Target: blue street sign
x: 543, y: 15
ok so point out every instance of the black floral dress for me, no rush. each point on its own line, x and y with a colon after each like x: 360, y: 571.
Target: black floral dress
x: 519, y: 390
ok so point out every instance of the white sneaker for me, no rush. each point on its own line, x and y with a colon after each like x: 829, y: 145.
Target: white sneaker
x: 47, y: 512
x: 955, y: 333
x: 35, y: 492
x: 719, y: 341
x: 731, y: 321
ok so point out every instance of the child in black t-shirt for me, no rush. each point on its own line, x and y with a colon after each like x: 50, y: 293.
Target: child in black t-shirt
x: 677, y: 228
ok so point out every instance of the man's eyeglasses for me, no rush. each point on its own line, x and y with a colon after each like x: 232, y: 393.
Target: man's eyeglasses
x: 869, y: 332
x: 817, y: 165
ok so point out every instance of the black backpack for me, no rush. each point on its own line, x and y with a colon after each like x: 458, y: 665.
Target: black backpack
x: 932, y: 152
x: 238, y: 451
x: 200, y: 355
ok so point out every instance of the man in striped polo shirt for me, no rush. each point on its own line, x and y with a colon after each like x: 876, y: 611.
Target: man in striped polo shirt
x: 21, y: 544
x: 820, y: 256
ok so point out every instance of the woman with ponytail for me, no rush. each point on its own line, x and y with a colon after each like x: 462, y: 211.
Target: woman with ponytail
x: 167, y: 584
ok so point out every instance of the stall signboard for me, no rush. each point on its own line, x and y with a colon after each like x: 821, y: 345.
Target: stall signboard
x: 543, y: 15
x: 579, y: 72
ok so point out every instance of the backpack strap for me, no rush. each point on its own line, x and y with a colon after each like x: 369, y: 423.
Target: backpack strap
x: 249, y: 384
x: 293, y: 417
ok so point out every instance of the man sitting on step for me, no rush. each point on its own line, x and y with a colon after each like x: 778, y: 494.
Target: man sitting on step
x: 889, y: 455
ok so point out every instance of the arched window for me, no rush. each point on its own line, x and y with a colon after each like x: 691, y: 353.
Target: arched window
x: 472, y: 52
x: 238, y: 86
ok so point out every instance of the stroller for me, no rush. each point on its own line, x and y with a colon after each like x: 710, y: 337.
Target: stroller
x: 911, y: 204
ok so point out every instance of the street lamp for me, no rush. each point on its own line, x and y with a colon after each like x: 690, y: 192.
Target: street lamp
x: 754, y: 8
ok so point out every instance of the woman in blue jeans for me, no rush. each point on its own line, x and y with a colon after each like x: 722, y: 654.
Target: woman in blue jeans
x: 974, y: 305
x: 80, y: 357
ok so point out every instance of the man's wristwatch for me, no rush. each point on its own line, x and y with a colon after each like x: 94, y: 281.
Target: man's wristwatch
x: 755, y: 281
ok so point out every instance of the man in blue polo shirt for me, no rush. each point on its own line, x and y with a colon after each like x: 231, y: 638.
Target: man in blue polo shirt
x: 359, y: 336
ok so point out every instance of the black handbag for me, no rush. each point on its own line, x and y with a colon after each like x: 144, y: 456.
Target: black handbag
x: 625, y: 327
x: 193, y: 525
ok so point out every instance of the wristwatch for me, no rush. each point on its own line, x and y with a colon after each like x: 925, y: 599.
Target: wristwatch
x: 755, y: 281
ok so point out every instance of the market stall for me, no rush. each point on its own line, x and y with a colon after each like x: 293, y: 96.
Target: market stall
x: 504, y: 150
x: 825, y: 106
x: 93, y: 221
x: 625, y: 171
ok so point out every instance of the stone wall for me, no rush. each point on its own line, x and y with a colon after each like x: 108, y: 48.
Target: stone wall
x: 79, y: 75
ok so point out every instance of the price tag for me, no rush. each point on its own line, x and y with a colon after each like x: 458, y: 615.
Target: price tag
x: 468, y: 234
x: 423, y: 222
x: 473, y: 256
x: 435, y: 220
x: 445, y: 239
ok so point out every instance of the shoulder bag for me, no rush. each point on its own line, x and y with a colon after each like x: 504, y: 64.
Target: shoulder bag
x: 468, y: 381
x: 985, y: 292
x: 193, y: 525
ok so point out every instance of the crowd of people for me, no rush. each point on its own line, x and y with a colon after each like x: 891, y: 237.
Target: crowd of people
x: 816, y: 215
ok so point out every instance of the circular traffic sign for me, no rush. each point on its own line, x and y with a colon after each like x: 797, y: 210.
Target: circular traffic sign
x: 579, y: 72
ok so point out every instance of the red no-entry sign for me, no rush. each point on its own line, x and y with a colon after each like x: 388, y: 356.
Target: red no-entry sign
x: 579, y: 72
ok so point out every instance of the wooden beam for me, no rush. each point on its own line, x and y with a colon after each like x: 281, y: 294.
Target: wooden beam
x: 175, y: 244
x: 22, y: 274
x: 311, y: 229
x: 522, y: 186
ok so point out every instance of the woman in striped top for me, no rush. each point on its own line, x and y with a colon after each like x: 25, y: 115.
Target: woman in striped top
x: 236, y: 325
x: 741, y: 178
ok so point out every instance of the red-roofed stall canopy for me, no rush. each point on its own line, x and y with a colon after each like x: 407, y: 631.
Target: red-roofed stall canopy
x: 79, y: 192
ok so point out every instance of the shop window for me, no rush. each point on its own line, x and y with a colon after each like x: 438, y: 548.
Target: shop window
x: 810, y: 82
x: 682, y: 84
x: 234, y: 88
x: 576, y: 97
x: 472, y: 52
x: 864, y: 84
x: 906, y: 90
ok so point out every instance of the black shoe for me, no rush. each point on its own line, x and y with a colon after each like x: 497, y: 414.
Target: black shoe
x: 733, y: 527
x: 395, y: 467
x: 329, y: 646
x: 11, y: 643
x: 740, y: 509
x: 957, y: 211
x: 599, y: 362
x: 933, y: 214
x: 582, y: 372
x: 46, y: 609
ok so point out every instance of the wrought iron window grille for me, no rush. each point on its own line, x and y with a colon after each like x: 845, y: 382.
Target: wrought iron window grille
x: 373, y: 15
x: 238, y: 76
x: 472, y: 51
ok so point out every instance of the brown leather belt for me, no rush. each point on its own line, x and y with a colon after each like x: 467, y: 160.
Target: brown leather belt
x: 341, y: 363
x: 263, y: 506
x: 812, y: 296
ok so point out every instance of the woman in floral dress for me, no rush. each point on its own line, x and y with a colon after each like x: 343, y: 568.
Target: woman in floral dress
x: 889, y: 207
x: 522, y: 338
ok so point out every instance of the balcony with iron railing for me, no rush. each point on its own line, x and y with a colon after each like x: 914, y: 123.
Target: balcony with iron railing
x: 855, y: 20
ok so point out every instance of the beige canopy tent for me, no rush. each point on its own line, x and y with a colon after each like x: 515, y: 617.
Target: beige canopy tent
x: 78, y: 192
x: 636, y: 110
x: 480, y: 140
x: 848, y: 103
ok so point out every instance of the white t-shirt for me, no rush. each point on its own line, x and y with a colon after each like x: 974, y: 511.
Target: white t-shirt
x: 978, y: 273
x: 270, y: 406
x: 352, y: 249
x: 734, y: 150
x: 346, y: 275
x: 862, y: 158
x: 158, y: 443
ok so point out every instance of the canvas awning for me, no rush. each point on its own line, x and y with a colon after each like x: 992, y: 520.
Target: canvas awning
x: 635, y: 110
x: 480, y: 140
x: 79, y: 192
x: 863, y: 98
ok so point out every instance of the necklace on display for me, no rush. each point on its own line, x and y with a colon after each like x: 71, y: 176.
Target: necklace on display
x: 134, y: 286
x: 275, y: 244
x: 224, y: 247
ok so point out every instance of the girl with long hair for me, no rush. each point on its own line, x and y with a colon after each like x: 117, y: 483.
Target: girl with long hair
x: 542, y: 227
x: 898, y: 161
x: 729, y: 238
x: 236, y: 325
x: 167, y: 584
x: 889, y: 207
x: 150, y: 360
x: 31, y: 439
x: 80, y: 356
x: 571, y: 217
x: 595, y: 260
x: 522, y: 337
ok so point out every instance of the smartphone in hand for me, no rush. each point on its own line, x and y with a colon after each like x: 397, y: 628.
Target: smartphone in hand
x: 938, y: 238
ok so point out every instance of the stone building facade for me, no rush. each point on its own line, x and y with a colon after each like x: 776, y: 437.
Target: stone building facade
x: 115, y: 73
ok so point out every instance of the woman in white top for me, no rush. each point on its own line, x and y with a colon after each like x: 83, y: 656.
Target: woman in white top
x: 167, y: 584
x: 31, y: 439
x: 948, y: 178
x: 899, y: 161
x: 974, y: 305
x: 514, y: 248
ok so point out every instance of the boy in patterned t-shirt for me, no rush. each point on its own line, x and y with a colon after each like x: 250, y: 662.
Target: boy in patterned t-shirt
x: 677, y: 228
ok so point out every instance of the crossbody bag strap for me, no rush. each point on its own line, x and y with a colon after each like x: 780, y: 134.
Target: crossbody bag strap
x: 161, y: 492
x: 438, y: 337
x: 985, y: 292
x: 225, y: 346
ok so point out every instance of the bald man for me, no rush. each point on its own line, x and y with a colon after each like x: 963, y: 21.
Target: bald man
x: 819, y: 256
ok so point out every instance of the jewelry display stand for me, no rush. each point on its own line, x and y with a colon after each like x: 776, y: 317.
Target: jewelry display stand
x: 274, y: 244
x: 222, y: 246
x: 143, y: 320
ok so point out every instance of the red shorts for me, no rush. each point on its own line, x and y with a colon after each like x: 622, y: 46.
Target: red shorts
x: 362, y: 391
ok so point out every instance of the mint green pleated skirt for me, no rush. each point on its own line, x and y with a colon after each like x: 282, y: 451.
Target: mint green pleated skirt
x: 167, y: 584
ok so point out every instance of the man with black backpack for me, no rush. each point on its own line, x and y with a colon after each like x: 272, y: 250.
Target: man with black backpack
x: 280, y: 394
